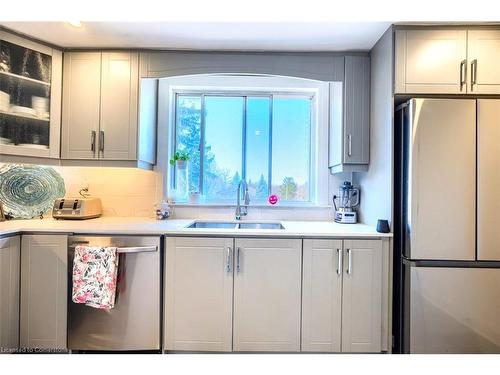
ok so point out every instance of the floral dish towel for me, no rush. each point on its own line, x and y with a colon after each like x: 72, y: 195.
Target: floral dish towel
x: 94, y: 276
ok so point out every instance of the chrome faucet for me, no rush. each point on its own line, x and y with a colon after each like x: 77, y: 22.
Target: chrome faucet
x: 242, y: 210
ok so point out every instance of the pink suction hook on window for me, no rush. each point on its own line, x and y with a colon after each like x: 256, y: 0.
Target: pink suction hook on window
x: 273, y: 199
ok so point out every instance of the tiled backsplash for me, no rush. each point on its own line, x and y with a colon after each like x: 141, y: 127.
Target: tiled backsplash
x: 123, y: 191
x: 134, y: 192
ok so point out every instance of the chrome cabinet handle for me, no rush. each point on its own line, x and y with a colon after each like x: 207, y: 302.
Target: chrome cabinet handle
x: 228, y: 259
x: 473, y: 74
x: 339, y: 261
x: 92, y: 141
x: 349, y: 144
x: 463, y: 73
x: 349, y: 261
x: 101, y: 141
x: 238, y: 260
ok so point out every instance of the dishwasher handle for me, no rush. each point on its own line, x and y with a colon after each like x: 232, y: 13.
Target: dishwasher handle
x: 137, y: 249
x: 125, y: 250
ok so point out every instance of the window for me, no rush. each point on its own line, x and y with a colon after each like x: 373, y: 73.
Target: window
x: 262, y: 137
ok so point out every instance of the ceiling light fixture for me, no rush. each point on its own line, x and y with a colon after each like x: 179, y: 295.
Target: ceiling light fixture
x: 75, y: 23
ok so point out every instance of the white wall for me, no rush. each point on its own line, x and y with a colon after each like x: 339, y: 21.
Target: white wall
x: 377, y: 184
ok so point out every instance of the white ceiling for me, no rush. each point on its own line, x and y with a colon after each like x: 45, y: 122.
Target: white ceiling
x: 250, y: 36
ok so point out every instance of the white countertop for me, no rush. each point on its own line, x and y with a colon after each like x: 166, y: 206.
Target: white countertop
x: 149, y: 226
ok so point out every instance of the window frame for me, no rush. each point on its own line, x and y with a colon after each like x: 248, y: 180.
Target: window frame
x: 245, y: 95
x: 250, y: 86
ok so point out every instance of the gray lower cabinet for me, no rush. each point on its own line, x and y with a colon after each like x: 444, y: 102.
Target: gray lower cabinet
x: 342, y: 299
x: 43, y: 292
x: 225, y: 294
x: 362, y: 296
x: 199, y: 294
x: 322, y: 296
x: 242, y: 295
x: 9, y: 293
x: 267, y: 295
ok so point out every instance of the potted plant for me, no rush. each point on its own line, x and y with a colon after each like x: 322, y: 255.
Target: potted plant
x: 180, y: 158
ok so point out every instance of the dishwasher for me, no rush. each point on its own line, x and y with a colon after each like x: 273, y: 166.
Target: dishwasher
x: 134, y: 323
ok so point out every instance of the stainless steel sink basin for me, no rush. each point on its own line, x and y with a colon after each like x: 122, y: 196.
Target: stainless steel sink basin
x: 232, y: 225
x: 261, y: 226
x: 213, y: 225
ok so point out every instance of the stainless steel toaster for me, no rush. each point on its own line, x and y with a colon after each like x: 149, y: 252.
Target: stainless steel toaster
x: 77, y: 208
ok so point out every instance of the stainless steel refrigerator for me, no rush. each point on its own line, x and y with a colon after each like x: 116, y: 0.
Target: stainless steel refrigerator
x: 447, y: 226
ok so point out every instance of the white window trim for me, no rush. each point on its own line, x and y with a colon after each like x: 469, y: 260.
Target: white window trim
x: 248, y: 83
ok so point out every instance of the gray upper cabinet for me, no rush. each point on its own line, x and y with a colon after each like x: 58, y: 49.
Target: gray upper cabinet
x: 100, y: 105
x: 447, y: 61
x: 483, y: 53
x: 119, y: 91
x: 350, y: 117
x: 81, y: 100
x: 43, y: 291
x: 30, y: 98
x: 431, y: 61
x: 9, y: 293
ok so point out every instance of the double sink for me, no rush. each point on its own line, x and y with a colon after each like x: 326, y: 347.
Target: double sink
x: 233, y: 225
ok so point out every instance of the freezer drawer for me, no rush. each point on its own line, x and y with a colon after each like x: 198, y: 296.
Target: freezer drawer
x: 454, y: 310
x: 134, y: 322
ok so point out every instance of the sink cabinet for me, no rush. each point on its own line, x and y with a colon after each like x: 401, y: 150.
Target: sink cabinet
x: 199, y: 294
x: 342, y: 300
x: 267, y: 295
x: 9, y: 293
x: 43, y: 292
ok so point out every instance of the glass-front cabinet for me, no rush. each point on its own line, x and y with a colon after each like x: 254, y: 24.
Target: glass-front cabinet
x: 30, y: 98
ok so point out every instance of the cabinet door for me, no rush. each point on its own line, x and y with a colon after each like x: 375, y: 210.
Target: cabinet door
x: 81, y: 105
x: 267, y: 294
x: 431, y: 61
x: 488, y: 179
x: 322, y: 295
x: 9, y: 292
x: 484, y: 56
x: 43, y: 291
x: 199, y: 294
x: 362, y: 296
x: 118, y: 119
x: 30, y: 78
x: 357, y: 110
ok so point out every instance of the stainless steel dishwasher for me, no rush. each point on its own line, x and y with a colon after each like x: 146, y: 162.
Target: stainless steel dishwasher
x: 134, y: 322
